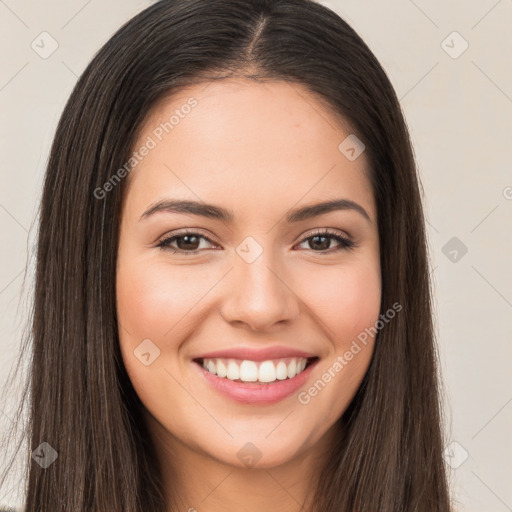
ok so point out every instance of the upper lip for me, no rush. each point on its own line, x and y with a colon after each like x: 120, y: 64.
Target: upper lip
x: 259, y: 354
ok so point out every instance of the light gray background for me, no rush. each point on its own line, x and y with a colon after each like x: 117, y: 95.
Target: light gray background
x: 459, y: 111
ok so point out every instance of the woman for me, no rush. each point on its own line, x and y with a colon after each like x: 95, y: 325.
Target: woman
x: 232, y: 302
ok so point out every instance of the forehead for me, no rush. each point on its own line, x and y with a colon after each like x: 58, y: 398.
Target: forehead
x: 240, y: 142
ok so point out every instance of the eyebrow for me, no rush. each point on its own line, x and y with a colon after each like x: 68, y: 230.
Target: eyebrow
x: 216, y: 212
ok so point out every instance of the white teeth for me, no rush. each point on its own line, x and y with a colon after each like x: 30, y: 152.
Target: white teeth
x: 255, y: 371
x: 248, y: 371
x: 281, y: 370
x: 292, y: 369
x: 267, y: 372
x: 233, y: 370
x: 222, y: 371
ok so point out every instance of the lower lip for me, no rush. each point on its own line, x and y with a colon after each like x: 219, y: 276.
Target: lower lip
x: 256, y: 393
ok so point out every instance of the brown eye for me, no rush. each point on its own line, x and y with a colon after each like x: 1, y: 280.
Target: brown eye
x: 186, y: 243
x: 321, y: 242
x: 189, y: 242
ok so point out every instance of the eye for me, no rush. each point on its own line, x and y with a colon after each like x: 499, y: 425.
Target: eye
x: 321, y: 239
x: 188, y: 242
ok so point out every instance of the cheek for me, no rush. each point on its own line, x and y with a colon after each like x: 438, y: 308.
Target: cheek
x: 153, y: 305
x: 152, y: 298
x: 348, y: 306
x: 346, y: 300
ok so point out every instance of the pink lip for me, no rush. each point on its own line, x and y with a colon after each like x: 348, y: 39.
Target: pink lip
x: 256, y: 393
x: 261, y: 354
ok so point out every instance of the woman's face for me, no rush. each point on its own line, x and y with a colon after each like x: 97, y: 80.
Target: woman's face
x: 256, y: 285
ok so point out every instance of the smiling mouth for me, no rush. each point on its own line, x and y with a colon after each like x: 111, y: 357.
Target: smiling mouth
x: 257, y: 372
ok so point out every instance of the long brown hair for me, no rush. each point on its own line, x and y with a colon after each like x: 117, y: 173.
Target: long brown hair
x: 388, y: 456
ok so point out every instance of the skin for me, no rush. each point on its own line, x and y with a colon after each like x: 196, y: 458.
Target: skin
x: 258, y: 150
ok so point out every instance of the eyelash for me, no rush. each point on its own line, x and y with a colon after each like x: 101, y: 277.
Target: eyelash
x: 345, y: 243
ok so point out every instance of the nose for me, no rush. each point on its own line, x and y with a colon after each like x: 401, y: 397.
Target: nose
x: 259, y: 296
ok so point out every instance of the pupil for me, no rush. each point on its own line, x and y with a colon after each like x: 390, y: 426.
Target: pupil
x: 188, y: 243
x: 324, y: 245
